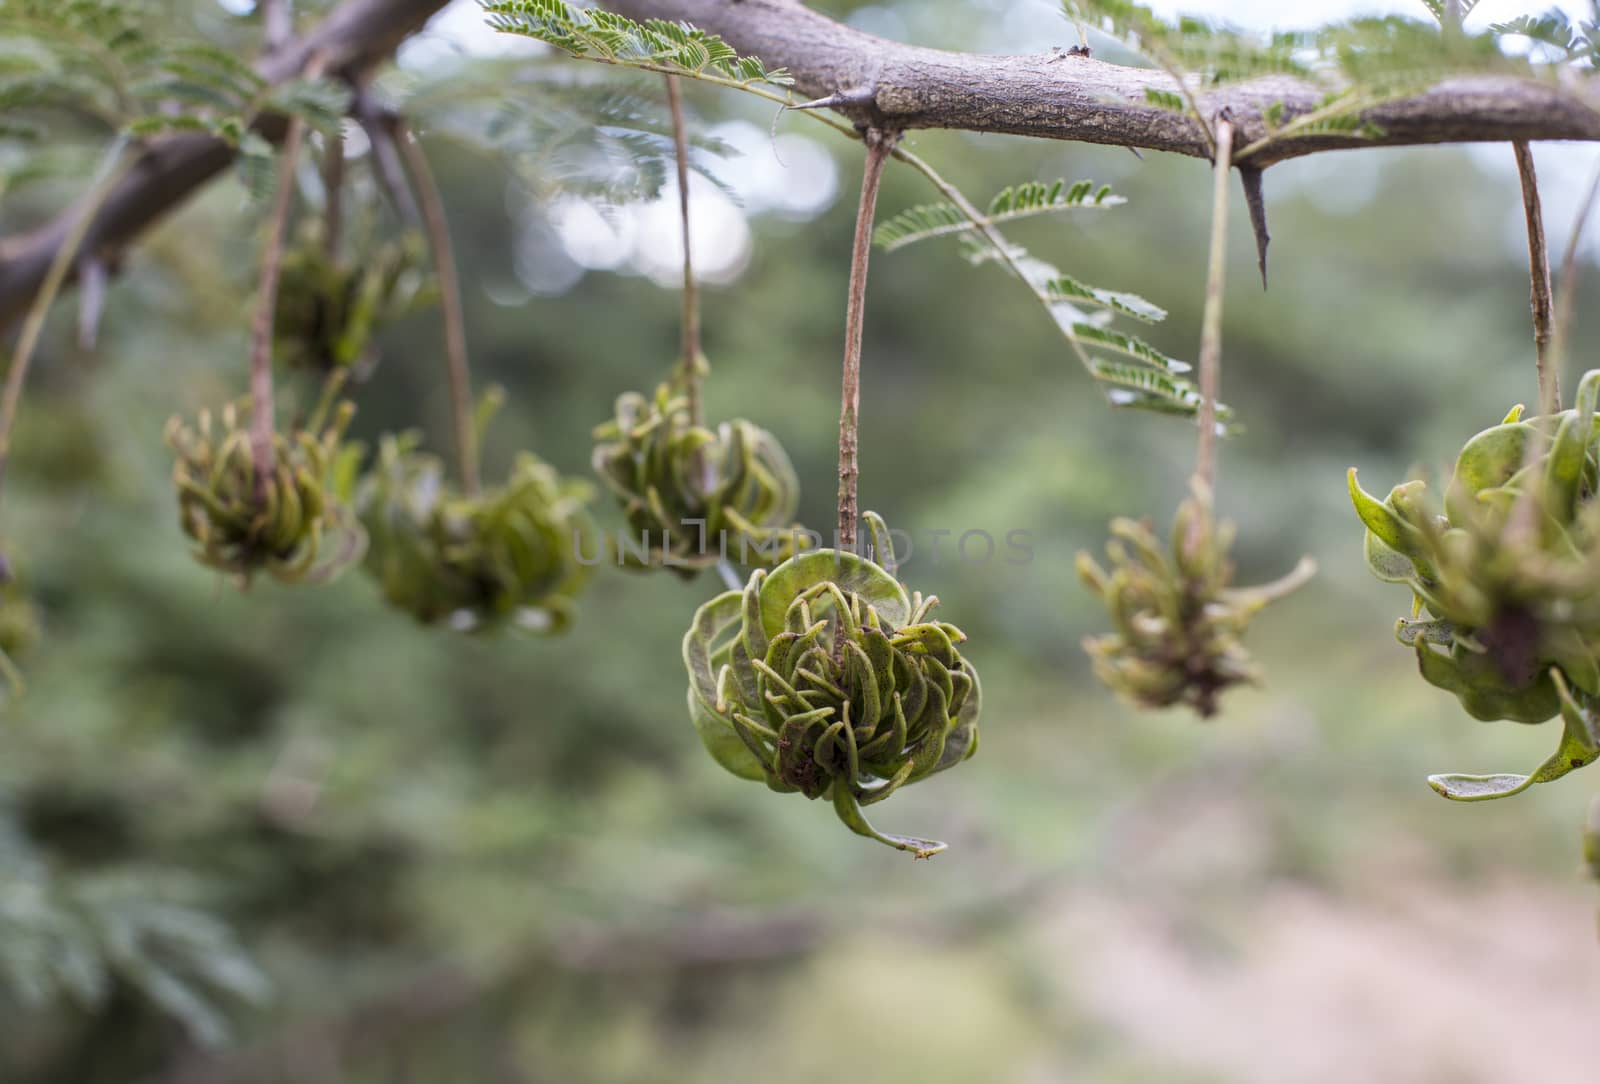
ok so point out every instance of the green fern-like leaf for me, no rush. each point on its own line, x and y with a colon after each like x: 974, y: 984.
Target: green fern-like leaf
x: 1066, y: 288
x: 1437, y: 7
x: 321, y: 103
x: 66, y: 935
x: 1129, y: 345
x: 110, y: 60
x: 1190, y: 46
x: 1165, y: 99
x: 1147, y: 379
x: 611, y: 143
x: 655, y: 45
x: 1023, y: 200
x: 1143, y: 388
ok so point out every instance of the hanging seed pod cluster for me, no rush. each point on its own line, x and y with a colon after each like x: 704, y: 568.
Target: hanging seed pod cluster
x: 293, y: 524
x: 1505, y: 584
x: 693, y: 496
x: 824, y: 677
x: 507, y: 555
x: 1177, y: 622
x: 328, y: 309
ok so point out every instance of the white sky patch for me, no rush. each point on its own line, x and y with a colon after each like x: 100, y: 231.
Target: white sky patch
x: 1565, y: 172
x: 462, y: 29
x: 719, y: 236
x: 574, y: 236
x: 791, y: 175
x: 597, y: 239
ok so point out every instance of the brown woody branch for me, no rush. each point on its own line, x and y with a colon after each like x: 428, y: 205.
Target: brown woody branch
x: 352, y: 37
x: 886, y: 85
x: 1060, y: 96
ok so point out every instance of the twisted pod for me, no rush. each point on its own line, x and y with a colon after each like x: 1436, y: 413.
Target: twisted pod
x: 293, y: 522
x: 824, y: 677
x: 327, y: 308
x: 1177, y: 624
x: 694, y: 496
x: 509, y: 553
x: 1506, y: 584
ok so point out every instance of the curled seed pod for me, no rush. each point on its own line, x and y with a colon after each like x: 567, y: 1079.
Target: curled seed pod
x: 1177, y: 624
x: 511, y: 554
x: 692, y: 495
x: 328, y: 309
x: 823, y: 676
x: 1505, y: 584
x: 294, y: 525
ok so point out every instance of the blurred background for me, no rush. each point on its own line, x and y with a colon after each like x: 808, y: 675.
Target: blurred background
x: 289, y: 835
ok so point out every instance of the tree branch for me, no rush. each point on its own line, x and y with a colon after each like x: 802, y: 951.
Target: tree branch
x: 354, y: 35
x: 1060, y: 96
x: 887, y: 85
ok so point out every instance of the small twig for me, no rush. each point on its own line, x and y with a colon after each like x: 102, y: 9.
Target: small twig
x: 1539, y: 274
x: 333, y: 193
x: 1205, y: 466
x: 880, y: 144
x: 261, y: 404
x: 386, y: 166
x: 691, y: 291
x: 104, y: 183
x: 455, y: 326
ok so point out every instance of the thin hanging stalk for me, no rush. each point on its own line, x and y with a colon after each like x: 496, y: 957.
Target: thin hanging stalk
x: 105, y: 181
x: 261, y: 404
x: 880, y: 145
x: 333, y: 194
x: 455, y: 326
x: 1539, y: 275
x: 1205, y: 466
x: 691, y: 291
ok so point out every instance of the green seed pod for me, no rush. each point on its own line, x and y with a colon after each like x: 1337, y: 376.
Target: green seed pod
x: 691, y: 495
x: 824, y: 677
x: 328, y: 309
x: 294, y: 525
x: 1177, y: 624
x: 510, y: 554
x: 1505, y: 585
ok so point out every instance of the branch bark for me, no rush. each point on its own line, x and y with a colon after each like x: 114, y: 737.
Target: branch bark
x: 1061, y: 96
x: 887, y: 85
x: 353, y: 36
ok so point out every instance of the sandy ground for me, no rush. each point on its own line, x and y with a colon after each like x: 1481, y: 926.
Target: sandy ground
x: 1425, y: 985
